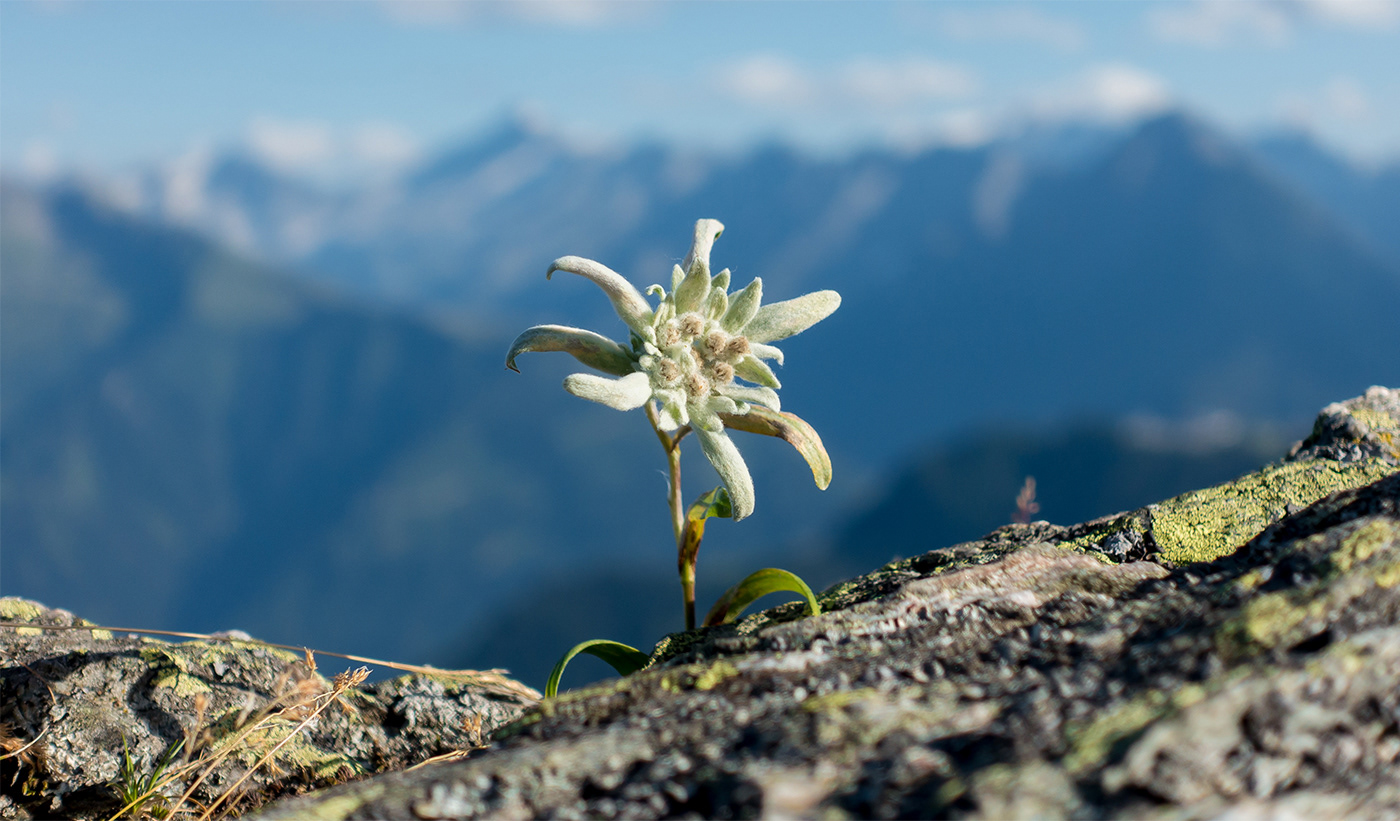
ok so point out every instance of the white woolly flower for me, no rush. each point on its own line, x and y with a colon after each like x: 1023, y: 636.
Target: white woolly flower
x: 689, y: 353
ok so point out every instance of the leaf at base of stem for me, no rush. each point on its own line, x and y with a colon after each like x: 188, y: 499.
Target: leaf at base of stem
x: 625, y: 660
x: 755, y: 586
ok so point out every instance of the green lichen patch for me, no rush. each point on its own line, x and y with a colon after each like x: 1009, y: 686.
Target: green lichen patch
x: 1089, y: 537
x: 299, y: 753
x: 838, y: 700
x: 1364, y: 542
x: 696, y: 676
x: 170, y: 669
x: 1094, y: 743
x: 17, y: 609
x: 1376, y: 420
x: 853, y: 721
x: 1354, y: 559
x: 1205, y: 525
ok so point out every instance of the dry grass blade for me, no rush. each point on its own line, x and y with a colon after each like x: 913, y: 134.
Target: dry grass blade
x: 11, y: 745
x: 494, y: 681
x: 343, y: 681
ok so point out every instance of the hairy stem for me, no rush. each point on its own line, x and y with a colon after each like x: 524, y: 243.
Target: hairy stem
x: 685, y: 560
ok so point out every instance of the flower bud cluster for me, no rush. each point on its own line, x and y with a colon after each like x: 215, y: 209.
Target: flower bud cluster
x: 694, y: 354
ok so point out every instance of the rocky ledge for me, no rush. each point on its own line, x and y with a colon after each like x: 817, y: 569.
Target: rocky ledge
x: 225, y: 720
x: 1232, y: 650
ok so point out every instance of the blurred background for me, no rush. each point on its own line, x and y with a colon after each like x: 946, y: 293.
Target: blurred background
x: 261, y: 263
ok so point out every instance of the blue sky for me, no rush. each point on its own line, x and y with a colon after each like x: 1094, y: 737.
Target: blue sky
x: 364, y: 87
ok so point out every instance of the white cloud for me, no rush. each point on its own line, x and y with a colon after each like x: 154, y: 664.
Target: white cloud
x: 1364, y: 14
x: 1341, y: 98
x: 1114, y: 92
x: 767, y: 80
x: 39, y: 160
x: 885, y: 84
x: 1216, y: 23
x: 566, y: 13
x: 1023, y: 24
x: 185, y: 180
x: 290, y: 145
x: 961, y: 127
x: 966, y: 127
x: 383, y: 145
x: 314, y: 148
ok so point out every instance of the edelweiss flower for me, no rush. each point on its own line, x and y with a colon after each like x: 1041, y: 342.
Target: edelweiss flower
x: 686, y: 355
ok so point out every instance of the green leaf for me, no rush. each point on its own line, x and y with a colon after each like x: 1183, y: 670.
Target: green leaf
x: 716, y: 503
x: 754, y: 587
x: 625, y: 660
x: 791, y: 429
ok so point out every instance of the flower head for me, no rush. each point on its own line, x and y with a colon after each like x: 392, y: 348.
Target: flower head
x: 701, y: 354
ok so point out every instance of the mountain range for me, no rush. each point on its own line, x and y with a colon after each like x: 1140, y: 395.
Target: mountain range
x: 232, y: 399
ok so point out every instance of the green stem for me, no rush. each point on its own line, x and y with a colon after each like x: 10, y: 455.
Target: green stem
x: 685, y: 564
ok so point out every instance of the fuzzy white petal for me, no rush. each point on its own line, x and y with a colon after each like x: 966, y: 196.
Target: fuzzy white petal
x: 743, y: 307
x: 781, y: 320
x: 693, y: 290
x: 756, y: 371
x: 628, y: 393
x: 706, y: 232
x: 593, y: 350
x: 629, y: 303
x: 703, y: 417
x: 762, y: 351
x: 766, y: 397
x: 722, y: 453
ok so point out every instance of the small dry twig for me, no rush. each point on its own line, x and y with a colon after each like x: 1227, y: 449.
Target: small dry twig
x: 1026, y: 505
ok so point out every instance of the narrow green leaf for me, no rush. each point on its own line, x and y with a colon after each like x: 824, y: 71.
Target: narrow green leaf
x: 791, y: 429
x: 716, y: 503
x: 625, y: 660
x: 754, y: 587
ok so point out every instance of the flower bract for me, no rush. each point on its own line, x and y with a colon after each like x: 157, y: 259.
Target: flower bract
x: 701, y: 354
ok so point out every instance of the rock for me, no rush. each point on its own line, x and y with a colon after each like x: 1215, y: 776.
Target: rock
x: 1247, y: 665
x: 1232, y: 652
x: 90, y: 701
